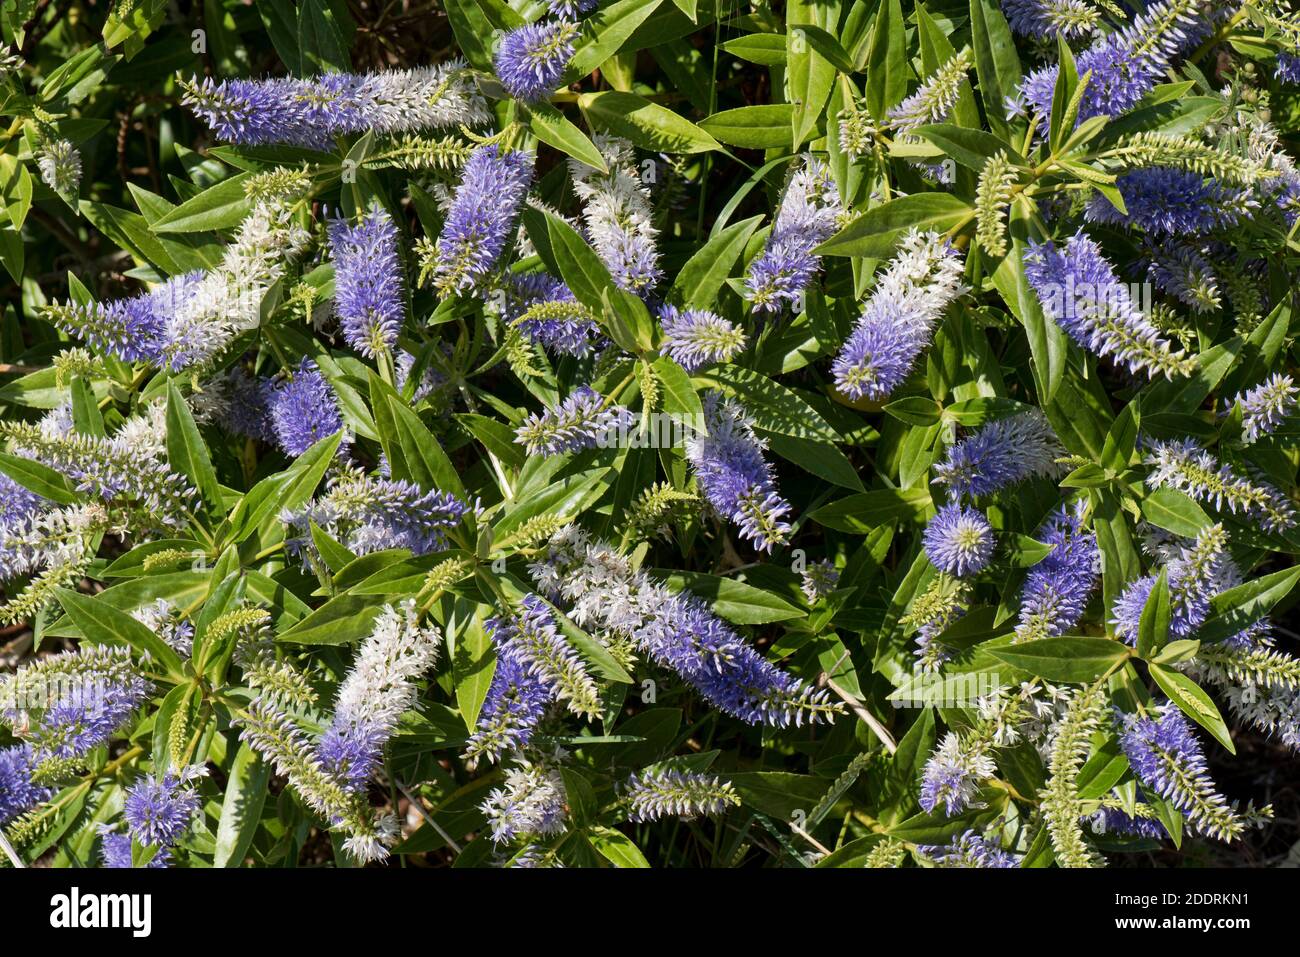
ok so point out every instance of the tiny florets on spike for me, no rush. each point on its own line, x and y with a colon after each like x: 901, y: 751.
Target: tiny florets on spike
x: 370, y: 513
x: 68, y: 704
x: 698, y: 337
x: 992, y: 201
x: 1266, y: 406
x: 819, y: 580
x: 1048, y: 19
x: 18, y: 792
x: 368, y: 281
x: 1195, y: 574
x: 1166, y: 757
x: 311, y: 112
x: 115, y: 851
x: 517, y: 700
x: 1078, y: 288
x: 899, y: 319
x: 548, y: 313
x: 303, y: 410
x: 159, y: 809
x: 582, y: 421
x: 482, y: 214
x: 532, y: 58
x: 1192, y: 469
x: 676, y: 631
x: 536, y: 641
x: 377, y: 691
x: 954, y: 774
x: 1287, y: 69
x: 1000, y: 454
x: 618, y: 216
x: 667, y: 792
x: 734, y: 476
x: 531, y: 804
x: 935, y: 98
x: 164, y: 619
x: 1057, y: 588
x: 1124, y: 66
x: 60, y: 166
x: 969, y: 849
x: 1183, y: 270
x: 959, y: 540
x: 1172, y: 202
x: 808, y: 215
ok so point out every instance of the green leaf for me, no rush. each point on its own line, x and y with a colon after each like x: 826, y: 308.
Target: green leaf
x: 607, y: 30
x: 101, y: 623
x: 1174, y: 511
x: 762, y: 127
x: 287, y: 490
x: 1153, y: 626
x: 423, y: 460
x: 1121, y: 442
x: 241, y: 808
x: 648, y: 125
x: 1193, y: 701
x: 567, y: 253
x: 915, y: 410
x: 886, y: 60
x: 860, y: 514
x: 616, y: 847
x: 997, y: 65
x: 699, y: 280
x: 473, y: 32
x: 779, y: 793
x: 876, y: 233
x: 822, y: 459
x: 734, y: 600
x: 1240, y: 607
x: 554, y: 128
x: 772, y: 406
x: 971, y: 148
x: 340, y: 621
x: 321, y: 39
x: 188, y: 453
x: 1074, y: 659
x: 679, y: 397
x: 765, y: 49
x: 86, y: 417
x: 809, y: 74
x: 1047, y: 341
x: 473, y: 665
x: 217, y: 207
x: 38, y: 478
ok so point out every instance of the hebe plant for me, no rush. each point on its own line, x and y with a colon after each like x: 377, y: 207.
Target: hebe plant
x: 498, y: 434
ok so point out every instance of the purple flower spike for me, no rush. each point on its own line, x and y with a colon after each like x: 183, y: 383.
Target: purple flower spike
x: 304, y: 410
x: 697, y: 337
x: 1057, y: 589
x: 899, y: 319
x: 1171, y: 202
x: 735, y: 477
x: 808, y: 216
x: 1079, y: 289
x: 959, y: 541
x: 18, y: 794
x: 368, y: 281
x: 532, y: 58
x: 482, y: 214
x: 158, y: 810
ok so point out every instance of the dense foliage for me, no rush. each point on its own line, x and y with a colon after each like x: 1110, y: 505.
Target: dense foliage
x: 849, y: 433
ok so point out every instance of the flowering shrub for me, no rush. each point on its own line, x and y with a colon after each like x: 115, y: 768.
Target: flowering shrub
x: 845, y: 434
